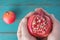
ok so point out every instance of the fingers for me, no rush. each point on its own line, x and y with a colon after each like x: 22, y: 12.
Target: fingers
x: 21, y: 25
x: 23, y: 33
x: 23, y: 21
x: 30, y: 13
x: 41, y: 10
x: 55, y: 21
x: 38, y: 10
x: 55, y: 34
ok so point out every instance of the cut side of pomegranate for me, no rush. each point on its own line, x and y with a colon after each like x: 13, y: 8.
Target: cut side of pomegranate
x: 39, y: 24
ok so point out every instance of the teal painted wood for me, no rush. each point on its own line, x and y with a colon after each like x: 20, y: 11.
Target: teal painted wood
x: 21, y: 8
x: 8, y: 37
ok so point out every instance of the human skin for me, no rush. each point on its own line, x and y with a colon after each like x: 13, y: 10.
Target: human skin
x: 23, y: 33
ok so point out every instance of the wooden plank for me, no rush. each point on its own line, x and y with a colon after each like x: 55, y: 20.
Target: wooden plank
x: 8, y: 37
x: 13, y: 33
x: 28, y: 2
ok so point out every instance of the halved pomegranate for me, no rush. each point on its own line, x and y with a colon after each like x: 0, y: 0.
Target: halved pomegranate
x: 39, y: 24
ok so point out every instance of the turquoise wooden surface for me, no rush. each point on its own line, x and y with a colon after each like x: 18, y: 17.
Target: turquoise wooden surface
x: 21, y: 8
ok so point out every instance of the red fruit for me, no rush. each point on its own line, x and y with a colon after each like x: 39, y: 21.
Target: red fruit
x: 9, y: 17
x: 39, y: 24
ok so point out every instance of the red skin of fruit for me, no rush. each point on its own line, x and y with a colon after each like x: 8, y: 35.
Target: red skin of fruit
x: 9, y: 17
x: 37, y: 32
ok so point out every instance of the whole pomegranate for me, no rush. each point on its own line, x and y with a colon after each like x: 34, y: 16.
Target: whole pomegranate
x: 9, y: 17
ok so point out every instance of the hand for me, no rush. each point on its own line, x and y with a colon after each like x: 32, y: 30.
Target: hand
x: 55, y: 34
x: 23, y: 33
